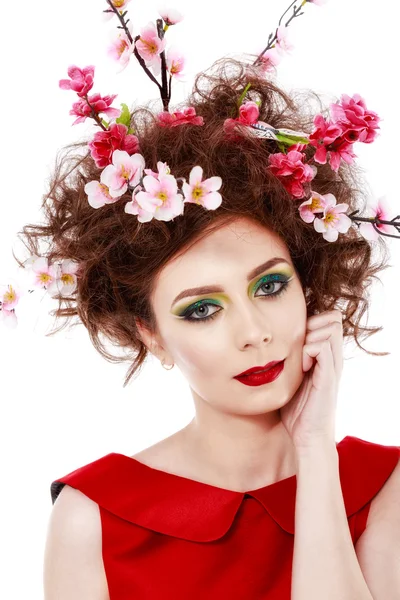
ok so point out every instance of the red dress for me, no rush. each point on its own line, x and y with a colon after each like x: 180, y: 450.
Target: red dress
x: 166, y: 536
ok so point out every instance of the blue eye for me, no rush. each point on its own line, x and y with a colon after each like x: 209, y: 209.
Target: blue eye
x: 272, y: 279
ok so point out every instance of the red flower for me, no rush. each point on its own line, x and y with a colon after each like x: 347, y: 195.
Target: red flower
x: 340, y: 149
x: 359, y: 123
x: 248, y: 115
x: 81, y: 80
x: 166, y: 119
x: 323, y: 135
x: 291, y: 170
x: 115, y: 138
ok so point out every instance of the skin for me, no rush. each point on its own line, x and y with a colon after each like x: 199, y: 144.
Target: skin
x: 237, y: 437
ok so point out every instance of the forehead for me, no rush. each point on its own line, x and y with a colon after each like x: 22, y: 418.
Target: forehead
x: 242, y: 245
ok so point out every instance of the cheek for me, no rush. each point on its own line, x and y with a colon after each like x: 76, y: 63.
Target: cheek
x: 294, y: 324
x: 196, y: 353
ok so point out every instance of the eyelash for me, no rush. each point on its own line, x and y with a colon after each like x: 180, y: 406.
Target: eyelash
x: 187, y: 315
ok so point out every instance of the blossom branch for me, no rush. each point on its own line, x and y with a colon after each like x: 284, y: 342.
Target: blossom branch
x: 164, y: 89
x: 273, y: 37
x: 95, y: 115
x: 169, y: 87
x: 133, y: 41
x: 375, y: 220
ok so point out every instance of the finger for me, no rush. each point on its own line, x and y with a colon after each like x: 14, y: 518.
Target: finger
x: 324, y: 367
x: 334, y: 333
x: 329, y: 316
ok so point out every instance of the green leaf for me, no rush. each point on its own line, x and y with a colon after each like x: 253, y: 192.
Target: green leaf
x: 291, y: 139
x: 125, y: 116
x: 243, y: 94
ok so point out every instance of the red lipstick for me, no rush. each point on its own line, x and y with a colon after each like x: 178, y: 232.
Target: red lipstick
x: 268, y: 373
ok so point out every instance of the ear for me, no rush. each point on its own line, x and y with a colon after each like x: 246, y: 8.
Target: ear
x: 152, y: 341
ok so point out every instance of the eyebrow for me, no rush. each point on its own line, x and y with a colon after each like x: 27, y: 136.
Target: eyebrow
x: 209, y: 289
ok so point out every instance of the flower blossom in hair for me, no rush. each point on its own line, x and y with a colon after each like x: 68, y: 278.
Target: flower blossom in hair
x: 248, y: 114
x: 381, y: 210
x: 82, y: 110
x: 358, y: 123
x: 332, y: 221
x: 202, y: 192
x: 171, y: 16
x: 124, y: 170
x: 116, y: 137
x: 351, y: 122
x: 81, y: 80
x: 292, y: 171
x: 188, y: 115
x: 161, y: 198
x: 119, y: 4
x: 283, y: 45
x: 120, y: 48
x: 175, y: 62
x: 150, y: 46
x: 9, y: 298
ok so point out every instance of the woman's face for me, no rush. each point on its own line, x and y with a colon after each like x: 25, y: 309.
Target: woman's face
x: 251, y: 317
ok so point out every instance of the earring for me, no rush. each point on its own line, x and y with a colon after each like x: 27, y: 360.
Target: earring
x: 167, y: 368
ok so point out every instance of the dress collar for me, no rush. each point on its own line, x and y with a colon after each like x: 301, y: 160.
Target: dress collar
x: 177, y: 506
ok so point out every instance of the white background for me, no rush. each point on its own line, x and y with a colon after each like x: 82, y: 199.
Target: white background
x: 62, y: 405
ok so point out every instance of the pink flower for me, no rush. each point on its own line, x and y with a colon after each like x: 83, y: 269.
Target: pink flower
x: 124, y: 170
x: 333, y: 220
x: 81, y: 80
x: 119, y: 4
x: 98, y: 194
x: 161, y: 198
x: 175, y: 63
x: 248, y: 114
x: 323, y: 135
x: 9, y: 297
x: 283, y: 44
x: 291, y: 170
x: 358, y: 123
x: 381, y: 211
x: 67, y: 278
x: 150, y: 46
x: 202, y: 192
x: 315, y: 204
x: 170, y: 15
x: 115, y: 138
x: 82, y: 109
x: 188, y: 115
x: 339, y: 150
x: 162, y: 169
x: 45, y: 275
x: 120, y: 48
x: 269, y: 60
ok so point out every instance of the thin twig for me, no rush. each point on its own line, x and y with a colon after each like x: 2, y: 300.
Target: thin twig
x: 164, y: 89
x: 133, y: 42
x: 95, y: 115
x: 273, y: 37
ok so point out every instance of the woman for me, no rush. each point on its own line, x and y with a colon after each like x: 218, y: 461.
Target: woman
x: 242, y: 281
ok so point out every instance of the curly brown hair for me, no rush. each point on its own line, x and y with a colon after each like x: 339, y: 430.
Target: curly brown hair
x: 120, y: 257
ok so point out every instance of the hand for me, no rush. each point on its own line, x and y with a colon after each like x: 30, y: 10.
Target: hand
x: 309, y: 416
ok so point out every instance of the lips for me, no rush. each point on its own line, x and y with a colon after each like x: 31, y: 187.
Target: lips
x: 259, y: 369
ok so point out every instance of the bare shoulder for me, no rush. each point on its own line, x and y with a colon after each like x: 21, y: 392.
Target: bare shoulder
x: 386, y: 503
x: 73, y: 562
